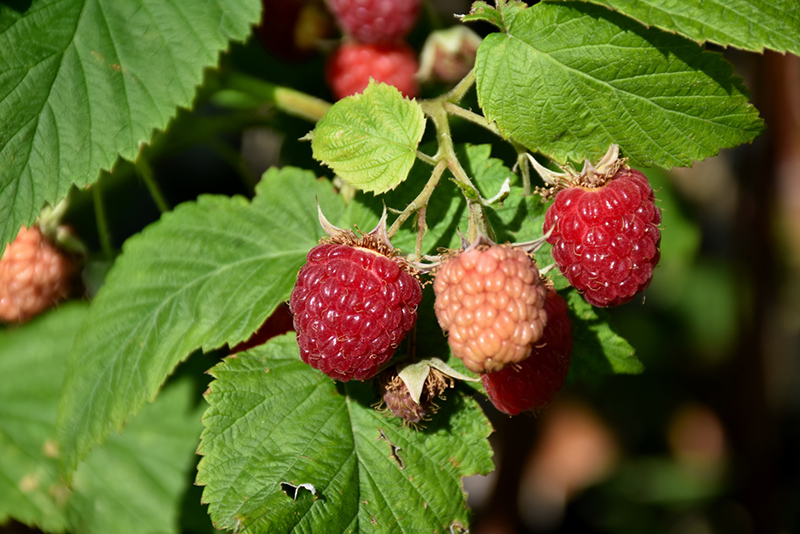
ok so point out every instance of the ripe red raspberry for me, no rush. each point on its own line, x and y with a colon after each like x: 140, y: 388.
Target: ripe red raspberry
x: 605, y: 239
x: 34, y: 275
x: 490, y: 300
x: 533, y: 382
x: 376, y: 21
x: 352, y: 306
x: 349, y: 69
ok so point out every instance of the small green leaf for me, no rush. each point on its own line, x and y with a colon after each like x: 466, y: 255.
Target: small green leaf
x: 598, y: 349
x: 746, y: 24
x: 206, y: 274
x: 84, y: 81
x: 274, y: 424
x: 370, y: 140
x: 502, y: 16
x: 569, y: 79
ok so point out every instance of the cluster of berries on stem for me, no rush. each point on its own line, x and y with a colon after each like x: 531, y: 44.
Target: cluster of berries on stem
x: 356, y: 298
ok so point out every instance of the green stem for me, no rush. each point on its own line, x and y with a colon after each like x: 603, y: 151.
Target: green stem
x: 456, y: 94
x: 422, y: 229
x: 145, y: 172
x: 422, y: 199
x: 524, y: 170
x: 102, y: 221
x: 471, y: 116
x: 287, y: 100
x: 477, y: 219
x: 426, y: 158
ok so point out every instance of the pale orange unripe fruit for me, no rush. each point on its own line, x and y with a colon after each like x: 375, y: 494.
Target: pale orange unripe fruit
x: 490, y: 301
x: 34, y: 275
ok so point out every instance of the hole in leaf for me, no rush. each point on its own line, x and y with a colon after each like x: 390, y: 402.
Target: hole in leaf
x: 394, y: 449
x: 292, y: 490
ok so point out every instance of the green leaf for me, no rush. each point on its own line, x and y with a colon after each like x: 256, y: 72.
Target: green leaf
x: 746, y: 24
x: 83, y: 81
x: 32, y: 362
x: 134, y: 484
x: 502, y: 16
x: 569, y: 79
x: 276, y: 429
x: 207, y: 274
x: 370, y: 140
x: 598, y: 350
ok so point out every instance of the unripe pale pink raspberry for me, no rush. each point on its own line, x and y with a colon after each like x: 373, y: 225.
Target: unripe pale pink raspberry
x: 606, y: 238
x: 352, y: 306
x: 533, y: 382
x: 375, y: 21
x: 34, y: 275
x: 490, y: 301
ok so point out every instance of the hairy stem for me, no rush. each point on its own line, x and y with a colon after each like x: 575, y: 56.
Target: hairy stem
x: 456, y: 94
x: 477, y: 220
x: 524, y: 170
x: 471, y: 116
x: 421, y: 201
x: 422, y: 229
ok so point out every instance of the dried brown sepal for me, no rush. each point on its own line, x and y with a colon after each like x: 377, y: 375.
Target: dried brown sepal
x: 376, y: 240
x: 398, y: 400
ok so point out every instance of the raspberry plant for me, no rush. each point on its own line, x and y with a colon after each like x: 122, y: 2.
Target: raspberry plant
x: 84, y: 86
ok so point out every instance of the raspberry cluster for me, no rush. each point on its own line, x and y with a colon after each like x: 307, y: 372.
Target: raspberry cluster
x: 490, y: 300
x: 606, y: 238
x: 374, y: 47
x: 34, y: 275
x: 352, y: 306
x: 533, y: 382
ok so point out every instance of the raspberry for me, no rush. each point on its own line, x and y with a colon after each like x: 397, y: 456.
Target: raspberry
x: 349, y: 69
x: 533, y: 382
x: 605, y: 239
x: 491, y: 302
x: 34, y: 275
x: 352, y: 306
x: 375, y: 21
